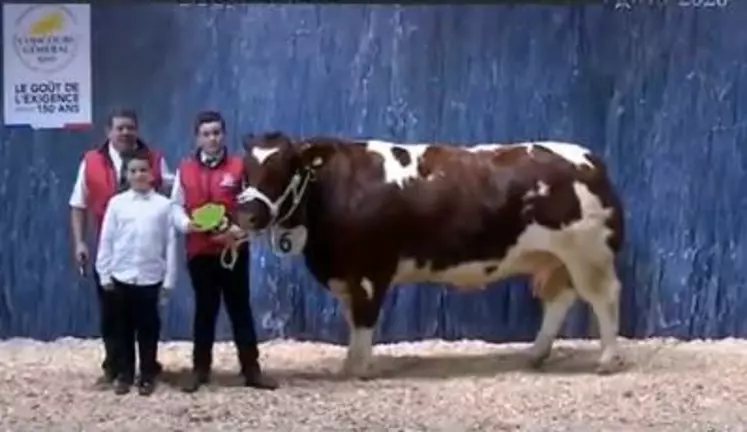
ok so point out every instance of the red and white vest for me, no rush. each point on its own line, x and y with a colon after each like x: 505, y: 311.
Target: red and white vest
x: 101, y: 179
x: 215, y: 185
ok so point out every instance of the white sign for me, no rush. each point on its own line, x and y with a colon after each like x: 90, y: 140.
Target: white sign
x: 47, y: 65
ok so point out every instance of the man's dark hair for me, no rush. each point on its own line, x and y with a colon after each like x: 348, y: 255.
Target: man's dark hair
x: 209, y: 117
x: 135, y: 154
x: 122, y: 113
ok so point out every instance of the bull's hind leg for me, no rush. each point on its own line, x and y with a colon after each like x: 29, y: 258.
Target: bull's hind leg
x: 599, y: 285
x: 552, y: 285
x: 362, y: 303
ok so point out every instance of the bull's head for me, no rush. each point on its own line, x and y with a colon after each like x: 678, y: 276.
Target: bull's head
x: 278, y: 173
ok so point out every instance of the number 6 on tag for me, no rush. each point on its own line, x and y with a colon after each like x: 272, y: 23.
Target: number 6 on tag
x: 285, y: 244
x: 288, y: 241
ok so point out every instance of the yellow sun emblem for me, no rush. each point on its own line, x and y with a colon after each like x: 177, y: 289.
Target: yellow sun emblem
x: 46, y: 25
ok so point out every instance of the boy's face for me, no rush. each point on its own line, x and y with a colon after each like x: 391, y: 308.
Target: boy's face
x: 139, y: 175
x: 210, y: 137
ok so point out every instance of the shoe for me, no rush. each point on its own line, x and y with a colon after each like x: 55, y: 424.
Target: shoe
x: 146, y: 387
x: 195, y: 381
x: 122, y: 387
x: 256, y: 379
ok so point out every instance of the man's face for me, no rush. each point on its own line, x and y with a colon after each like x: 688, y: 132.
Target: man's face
x: 139, y: 175
x: 210, y: 137
x: 122, y: 133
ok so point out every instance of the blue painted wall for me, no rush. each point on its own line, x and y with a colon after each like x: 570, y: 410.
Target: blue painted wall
x: 662, y: 95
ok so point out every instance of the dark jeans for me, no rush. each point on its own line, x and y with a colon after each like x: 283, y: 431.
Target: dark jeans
x: 210, y: 282
x: 136, y: 320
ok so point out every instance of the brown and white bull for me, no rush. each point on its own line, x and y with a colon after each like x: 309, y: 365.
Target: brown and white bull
x: 367, y: 215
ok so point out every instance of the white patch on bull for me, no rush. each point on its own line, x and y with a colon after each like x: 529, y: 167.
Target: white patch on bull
x: 360, y: 352
x: 542, y: 188
x: 593, y: 214
x: 573, y: 153
x: 368, y: 287
x: 490, y: 147
x: 470, y: 275
x: 394, y: 172
x: 262, y: 154
x: 435, y: 175
x: 553, y: 316
x: 477, y: 274
x: 360, y: 344
x: 591, y: 265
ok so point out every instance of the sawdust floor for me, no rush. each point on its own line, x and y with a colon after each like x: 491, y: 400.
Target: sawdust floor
x: 425, y: 386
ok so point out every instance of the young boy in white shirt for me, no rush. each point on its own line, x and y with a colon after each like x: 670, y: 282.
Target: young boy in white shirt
x: 137, y: 263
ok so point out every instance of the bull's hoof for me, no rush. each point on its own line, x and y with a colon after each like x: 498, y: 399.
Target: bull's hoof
x: 356, y: 371
x: 536, y: 358
x: 610, y: 363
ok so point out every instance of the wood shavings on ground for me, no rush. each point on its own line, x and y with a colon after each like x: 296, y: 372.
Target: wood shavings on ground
x: 424, y: 386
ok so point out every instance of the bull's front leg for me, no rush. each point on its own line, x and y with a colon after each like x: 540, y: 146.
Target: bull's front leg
x: 361, y: 302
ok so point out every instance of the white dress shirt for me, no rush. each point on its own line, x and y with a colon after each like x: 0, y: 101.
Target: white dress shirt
x: 80, y: 192
x: 138, y: 239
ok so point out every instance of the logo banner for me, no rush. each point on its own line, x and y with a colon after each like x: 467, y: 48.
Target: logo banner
x: 47, y: 65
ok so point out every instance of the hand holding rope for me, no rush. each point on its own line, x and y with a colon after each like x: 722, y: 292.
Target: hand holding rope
x: 230, y: 253
x: 229, y: 256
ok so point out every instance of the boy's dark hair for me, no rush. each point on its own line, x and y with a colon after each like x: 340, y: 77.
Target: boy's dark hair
x: 122, y: 113
x: 136, y: 154
x: 209, y: 116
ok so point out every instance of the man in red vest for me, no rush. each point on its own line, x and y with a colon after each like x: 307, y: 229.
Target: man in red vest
x: 100, y: 176
x: 213, y: 176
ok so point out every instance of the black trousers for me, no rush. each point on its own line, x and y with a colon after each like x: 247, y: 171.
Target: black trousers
x: 107, y: 325
x: 211, y: 282
x: 136, y: 320
x: 108, y: 306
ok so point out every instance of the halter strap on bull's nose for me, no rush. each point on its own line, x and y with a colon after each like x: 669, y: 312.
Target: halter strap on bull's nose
x: 251, y: 193
x: 296, y: 188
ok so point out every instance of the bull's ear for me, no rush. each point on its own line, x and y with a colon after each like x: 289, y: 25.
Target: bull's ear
x: 314, y: 155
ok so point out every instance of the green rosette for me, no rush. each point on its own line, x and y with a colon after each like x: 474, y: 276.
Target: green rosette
x: 209, y: 216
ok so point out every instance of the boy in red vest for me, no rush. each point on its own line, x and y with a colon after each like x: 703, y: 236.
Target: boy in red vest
x: 213, y: 176
x: 101, y: 176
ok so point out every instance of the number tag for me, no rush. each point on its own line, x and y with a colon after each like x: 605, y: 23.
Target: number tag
x: 284, y: 242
